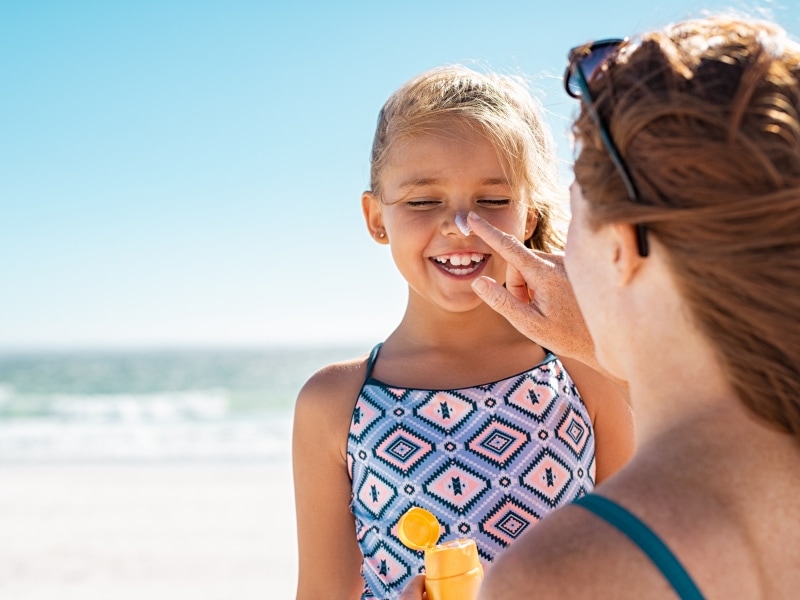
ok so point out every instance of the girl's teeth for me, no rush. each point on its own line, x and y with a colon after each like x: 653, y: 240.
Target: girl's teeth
x: 461, y: 260
x: 465, y: 260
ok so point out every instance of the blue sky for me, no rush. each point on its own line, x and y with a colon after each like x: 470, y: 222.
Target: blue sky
x: 179, y: 173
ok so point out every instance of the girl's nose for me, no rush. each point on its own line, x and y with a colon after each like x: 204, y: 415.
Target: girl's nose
x: 456, y: 224
x: 454, y: 220
x: 461, y: 223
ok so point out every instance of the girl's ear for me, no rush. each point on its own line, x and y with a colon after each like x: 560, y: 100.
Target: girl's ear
x: 373, y: 214
x: 531, y: 222
x: 626, y: 253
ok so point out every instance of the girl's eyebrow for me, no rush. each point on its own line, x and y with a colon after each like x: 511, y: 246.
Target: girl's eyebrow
x: 496, y: 181
x: 416, y: 182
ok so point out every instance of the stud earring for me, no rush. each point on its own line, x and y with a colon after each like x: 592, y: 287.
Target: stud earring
x: 381, y: 235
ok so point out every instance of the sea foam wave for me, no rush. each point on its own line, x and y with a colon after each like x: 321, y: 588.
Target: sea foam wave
x: 48, y: 440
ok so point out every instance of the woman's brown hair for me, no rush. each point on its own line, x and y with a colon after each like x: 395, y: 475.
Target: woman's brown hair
x: 706, y: 115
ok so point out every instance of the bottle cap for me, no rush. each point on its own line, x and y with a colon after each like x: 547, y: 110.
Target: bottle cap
x: 418, y: 529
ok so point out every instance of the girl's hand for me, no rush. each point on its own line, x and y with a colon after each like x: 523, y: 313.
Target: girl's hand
x: 537, y: 298
x: 415, y: 590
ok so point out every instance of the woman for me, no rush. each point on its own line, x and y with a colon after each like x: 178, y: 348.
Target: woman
x: 684, y: 257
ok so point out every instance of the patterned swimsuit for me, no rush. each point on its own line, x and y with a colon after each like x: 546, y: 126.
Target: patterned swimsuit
x: 489, y: 461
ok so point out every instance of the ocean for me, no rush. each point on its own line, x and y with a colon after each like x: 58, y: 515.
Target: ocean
x: 164, y: 405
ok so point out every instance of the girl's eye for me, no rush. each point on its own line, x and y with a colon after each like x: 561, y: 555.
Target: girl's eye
x: 423, y: 203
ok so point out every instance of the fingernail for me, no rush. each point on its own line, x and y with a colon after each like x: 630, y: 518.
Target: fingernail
x: 480, y: 285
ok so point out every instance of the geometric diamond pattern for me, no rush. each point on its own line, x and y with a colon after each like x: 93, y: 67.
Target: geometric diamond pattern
x: 366, y: 414
x: 573, y: 430
x: 388, y: 564
x: 548, y: 477
x: 489, y: 460
x: 375, y: 494
x: 533, y: 398
x: 498, y: 441
x: 402, y: 450
x: 456, y: 486
x: 446, y: 411
x: 508, y: 520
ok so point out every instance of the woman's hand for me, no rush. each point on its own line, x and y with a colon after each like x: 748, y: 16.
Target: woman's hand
x: 415, y: 590
x: 537, y: 298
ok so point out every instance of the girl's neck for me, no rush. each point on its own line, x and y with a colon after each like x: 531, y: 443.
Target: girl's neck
x: 454, y: 350
x: 452, y: 331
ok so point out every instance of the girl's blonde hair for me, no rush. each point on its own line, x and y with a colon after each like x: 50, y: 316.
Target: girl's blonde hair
x: 499, y: 107
x: 706, y: 114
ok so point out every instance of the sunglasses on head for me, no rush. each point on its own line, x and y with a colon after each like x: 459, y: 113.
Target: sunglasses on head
x: 585, y: 63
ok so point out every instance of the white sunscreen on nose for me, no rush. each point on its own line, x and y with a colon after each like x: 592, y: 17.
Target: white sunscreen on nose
x: 461, y: 223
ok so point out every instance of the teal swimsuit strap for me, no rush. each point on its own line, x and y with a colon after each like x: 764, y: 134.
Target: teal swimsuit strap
x: 648, y: 542
x: 373, y: 356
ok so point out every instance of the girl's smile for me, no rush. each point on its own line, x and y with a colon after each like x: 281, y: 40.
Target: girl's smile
x: 460, y: 265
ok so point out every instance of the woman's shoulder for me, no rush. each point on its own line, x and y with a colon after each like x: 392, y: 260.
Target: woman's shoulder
x: 564, y: 556
x: 577, y: 552
x: 574, y: 554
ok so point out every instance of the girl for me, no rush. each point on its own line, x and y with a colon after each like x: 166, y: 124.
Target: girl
x: 456, y: 412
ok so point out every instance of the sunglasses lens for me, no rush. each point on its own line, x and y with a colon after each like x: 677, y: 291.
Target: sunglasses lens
x: 573, y: 89
x: 590, y: 62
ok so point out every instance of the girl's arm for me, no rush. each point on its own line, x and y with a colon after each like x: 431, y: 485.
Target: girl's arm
x: 611, y: 415
x: 329, y: 556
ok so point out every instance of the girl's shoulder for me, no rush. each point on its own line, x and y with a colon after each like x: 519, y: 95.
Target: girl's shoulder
x: 335, y: 384
x: 611, y: 416
x: 325, y: 406
x: 594, y: 388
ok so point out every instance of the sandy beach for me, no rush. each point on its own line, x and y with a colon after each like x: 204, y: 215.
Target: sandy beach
x: 124, y: 531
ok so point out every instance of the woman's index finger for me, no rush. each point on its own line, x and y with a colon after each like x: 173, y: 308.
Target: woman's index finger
x: 514, y: 252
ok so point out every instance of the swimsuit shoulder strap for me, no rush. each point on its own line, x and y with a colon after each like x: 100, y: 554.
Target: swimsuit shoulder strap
x: 641, y: 535
x: 373, y: 357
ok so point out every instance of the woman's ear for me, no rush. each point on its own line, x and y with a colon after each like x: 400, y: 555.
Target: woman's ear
x: 373, y: 214
x: 627, y: 260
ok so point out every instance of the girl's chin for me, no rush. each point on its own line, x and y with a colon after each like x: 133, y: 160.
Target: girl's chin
x: 465, y: 304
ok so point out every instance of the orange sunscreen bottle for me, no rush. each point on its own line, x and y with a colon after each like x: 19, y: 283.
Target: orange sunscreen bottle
x: 452, y: 569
